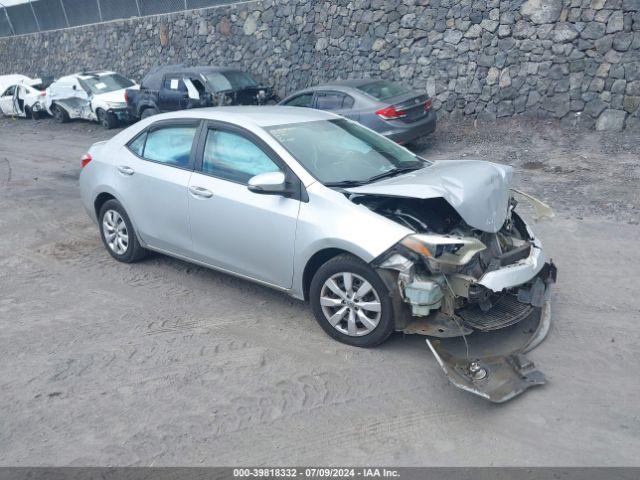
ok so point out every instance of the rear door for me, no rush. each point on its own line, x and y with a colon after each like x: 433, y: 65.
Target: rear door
x: 339, y: 103
x: 153, y: 175
x: 233, y: 228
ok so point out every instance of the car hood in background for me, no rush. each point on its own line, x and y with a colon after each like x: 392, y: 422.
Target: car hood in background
x: 478, y: 190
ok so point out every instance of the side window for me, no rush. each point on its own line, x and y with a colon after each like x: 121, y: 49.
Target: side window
x: 170, y: 145
x: 234, y: 157
x: 348, y: 101
x: 330, y: 101
x: 9, y: 92
x: 174, y: 83
x: 304, y: 100
x: 137, y: 144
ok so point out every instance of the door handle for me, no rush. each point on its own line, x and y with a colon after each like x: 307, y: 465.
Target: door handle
x: 201, y: 192
x: 123, y: 169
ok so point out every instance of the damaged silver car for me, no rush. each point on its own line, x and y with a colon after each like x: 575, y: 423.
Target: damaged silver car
x: 376, y: 238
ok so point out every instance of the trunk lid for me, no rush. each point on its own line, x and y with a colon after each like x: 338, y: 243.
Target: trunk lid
x: 413, y: 105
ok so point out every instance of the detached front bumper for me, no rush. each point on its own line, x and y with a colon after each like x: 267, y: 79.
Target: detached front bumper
x: 491, y: 362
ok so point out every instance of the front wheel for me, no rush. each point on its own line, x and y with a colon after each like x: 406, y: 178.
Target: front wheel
x: 118, y: 235
x: 351, y: 303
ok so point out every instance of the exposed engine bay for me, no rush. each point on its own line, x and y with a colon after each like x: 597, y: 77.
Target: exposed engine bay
x: 458, y: 283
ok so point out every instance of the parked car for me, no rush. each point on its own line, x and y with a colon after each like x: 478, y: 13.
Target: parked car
x: 177, y: 87
x: 376, y: 238
x: 395, y: 111
x: 95, y: 96
x: 22, y: 96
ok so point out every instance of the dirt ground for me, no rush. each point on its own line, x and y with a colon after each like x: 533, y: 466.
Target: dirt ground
x: 165, y: 363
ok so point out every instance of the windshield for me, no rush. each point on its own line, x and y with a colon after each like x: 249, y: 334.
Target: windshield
x: 382, y: 90
x: 342, y: 152
x: 105, y: 83
x: 223, y: 81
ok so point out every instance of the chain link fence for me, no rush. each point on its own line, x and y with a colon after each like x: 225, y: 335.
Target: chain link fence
x: 42, y: 15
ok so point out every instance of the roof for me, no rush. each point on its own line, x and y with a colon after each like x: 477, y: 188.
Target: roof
x: 154, y: 78
x: 348, y: 86
x: 264, y: 116
x: 84, y: 75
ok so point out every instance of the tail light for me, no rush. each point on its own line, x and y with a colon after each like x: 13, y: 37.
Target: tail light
x: 126, y: 96
x: 85, y: 160
x: 43, y: 93
x: 427, y: 105
x: 390, y: 113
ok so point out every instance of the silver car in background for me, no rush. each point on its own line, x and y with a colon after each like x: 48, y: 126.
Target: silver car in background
x: 376, y: 238
x: 393, y: 110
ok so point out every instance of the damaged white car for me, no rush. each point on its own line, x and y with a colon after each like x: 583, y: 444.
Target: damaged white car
x: 94, y: 96
x: 21, y: 96
x: 376, y: 238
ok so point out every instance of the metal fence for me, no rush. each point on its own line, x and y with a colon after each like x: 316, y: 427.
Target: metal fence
x: 41, y: 15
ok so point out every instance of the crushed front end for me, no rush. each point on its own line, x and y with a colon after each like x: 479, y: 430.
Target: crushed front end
x: 480, y: 297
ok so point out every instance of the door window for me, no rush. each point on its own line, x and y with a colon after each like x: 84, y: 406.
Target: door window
x: 9, y: 92
x: 333, y: 101
x: 175, y: 83
x: 304, y: 100
x: 233, y: 157
x: 170, y: 145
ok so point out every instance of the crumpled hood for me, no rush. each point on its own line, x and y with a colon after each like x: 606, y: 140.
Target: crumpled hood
x: 478, y: 190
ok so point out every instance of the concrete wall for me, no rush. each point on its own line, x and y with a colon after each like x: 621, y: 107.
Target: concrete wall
x: 578, y: 60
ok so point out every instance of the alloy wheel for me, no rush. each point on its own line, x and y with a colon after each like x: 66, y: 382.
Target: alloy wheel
x: 350, y: 304
x: 115, y: 232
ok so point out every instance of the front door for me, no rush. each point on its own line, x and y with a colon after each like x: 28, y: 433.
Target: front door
x: 153, y: 174
x: 7, y: 101
x: 173, y: 94
x: 233, y: 228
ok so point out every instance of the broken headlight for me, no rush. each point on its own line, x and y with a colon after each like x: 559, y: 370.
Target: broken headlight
x: 444, y: 253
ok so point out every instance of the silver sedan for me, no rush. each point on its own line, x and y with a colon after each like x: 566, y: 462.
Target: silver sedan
x: 376, y: 238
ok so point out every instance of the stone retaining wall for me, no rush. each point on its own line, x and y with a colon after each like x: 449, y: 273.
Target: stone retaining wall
x: 578, y: 60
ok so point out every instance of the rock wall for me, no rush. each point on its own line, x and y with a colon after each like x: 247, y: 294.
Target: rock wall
x: 577, y: 60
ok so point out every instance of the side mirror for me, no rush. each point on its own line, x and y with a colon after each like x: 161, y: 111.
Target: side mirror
x: 270, y: 183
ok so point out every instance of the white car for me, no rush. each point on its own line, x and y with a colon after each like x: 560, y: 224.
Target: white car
x: 95, y: 96
x: 21, y: 96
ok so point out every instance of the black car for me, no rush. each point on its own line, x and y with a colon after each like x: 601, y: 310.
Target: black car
x: 176, y: 87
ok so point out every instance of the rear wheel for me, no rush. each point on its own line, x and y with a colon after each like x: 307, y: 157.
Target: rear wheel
x: 351, y: 303
x: 149, y: 112
x: 117, y: 233
x: 107, y: 120
x: 60, y: 114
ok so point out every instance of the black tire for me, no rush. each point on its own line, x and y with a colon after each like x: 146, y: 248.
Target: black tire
x: 149, y: 112
x: 60, y: 114
x: 28, y: 113
x: 106, y: 119
x: 352, y: 264
x: 134, y: 250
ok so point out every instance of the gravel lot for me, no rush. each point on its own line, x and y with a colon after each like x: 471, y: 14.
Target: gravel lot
x: 165, y: 363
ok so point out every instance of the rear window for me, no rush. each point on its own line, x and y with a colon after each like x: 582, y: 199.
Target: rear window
x: 105, y: 83
x: 224, y: 81
x: 382, y: 90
